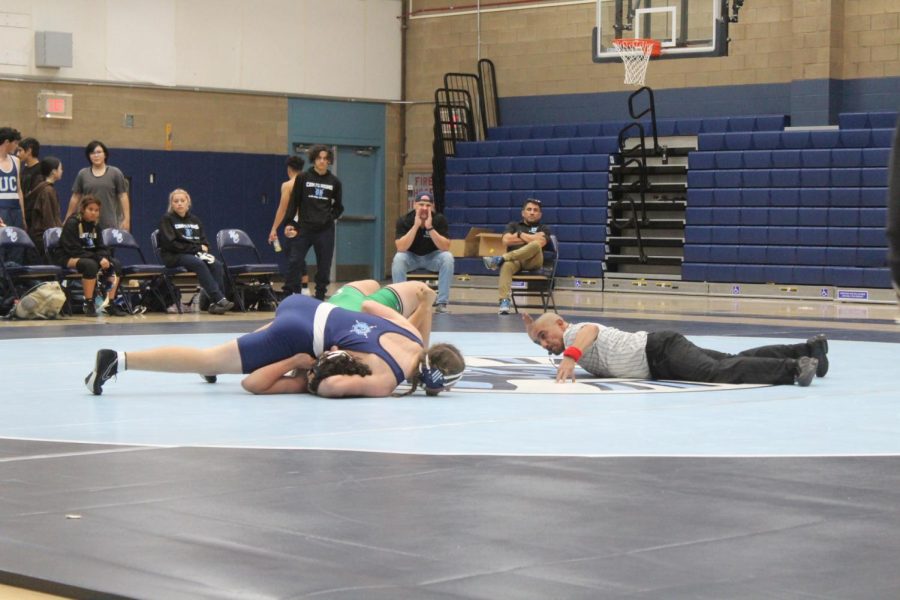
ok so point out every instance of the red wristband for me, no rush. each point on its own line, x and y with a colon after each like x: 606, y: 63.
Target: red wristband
x: 573, y: 353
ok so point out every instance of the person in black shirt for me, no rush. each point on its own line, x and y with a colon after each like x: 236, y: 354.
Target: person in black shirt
x: 182, y: 243
x: 423, y: 242
x: 525, y: 243
x: 29, y: 153
x: 81, y: 248
x: 316, y: 203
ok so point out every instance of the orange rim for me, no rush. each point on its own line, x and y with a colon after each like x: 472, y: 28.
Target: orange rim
x: 655, y: 45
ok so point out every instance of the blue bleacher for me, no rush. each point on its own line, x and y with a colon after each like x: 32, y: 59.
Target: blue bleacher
x: 802, y: 207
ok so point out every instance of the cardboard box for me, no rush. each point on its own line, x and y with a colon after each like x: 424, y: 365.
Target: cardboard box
x: 489, y: 244
x: 470, y: 245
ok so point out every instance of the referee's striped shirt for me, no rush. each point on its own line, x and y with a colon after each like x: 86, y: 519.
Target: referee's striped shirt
x: 615, y: 353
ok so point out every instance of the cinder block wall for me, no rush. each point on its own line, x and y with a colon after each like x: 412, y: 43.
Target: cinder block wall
x: 201, y: 121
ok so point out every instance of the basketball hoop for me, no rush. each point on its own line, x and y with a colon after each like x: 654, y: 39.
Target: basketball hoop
x: 636, y: 53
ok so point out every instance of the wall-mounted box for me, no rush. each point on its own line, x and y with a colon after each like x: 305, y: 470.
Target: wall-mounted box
x: 52, y: 49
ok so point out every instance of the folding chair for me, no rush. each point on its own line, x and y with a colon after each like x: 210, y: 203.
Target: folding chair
x: 539, y: 282
x: 16, y: 275
x: 234, y: 245
x: 146, y: 275
x: 178, y: 279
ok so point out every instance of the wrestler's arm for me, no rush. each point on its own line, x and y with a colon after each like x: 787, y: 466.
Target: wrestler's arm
x: 344, y: 386
x: 271, y: 379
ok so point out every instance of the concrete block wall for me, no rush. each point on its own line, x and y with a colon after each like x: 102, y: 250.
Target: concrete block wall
x: 203, y: 121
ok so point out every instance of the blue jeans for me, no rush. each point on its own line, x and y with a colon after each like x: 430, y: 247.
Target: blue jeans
x: 439, y: 261
x: 211, y: 276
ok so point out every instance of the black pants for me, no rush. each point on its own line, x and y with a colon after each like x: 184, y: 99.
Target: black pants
x: 672, y: 356
x: 893, y: 212
x: 322, y: 242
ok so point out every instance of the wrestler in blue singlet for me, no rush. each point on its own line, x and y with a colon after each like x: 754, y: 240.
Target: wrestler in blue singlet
x: 294, y: 330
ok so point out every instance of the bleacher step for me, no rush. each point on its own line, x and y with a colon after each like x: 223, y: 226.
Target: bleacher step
x: 654, y: 204
x: 670, y: 242
x: 633, y: 259
x: 652, y: 187
x: 651, y: 170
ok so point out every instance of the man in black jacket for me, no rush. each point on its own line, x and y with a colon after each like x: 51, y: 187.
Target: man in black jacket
x: 316, y: 203
x: 893, y: 221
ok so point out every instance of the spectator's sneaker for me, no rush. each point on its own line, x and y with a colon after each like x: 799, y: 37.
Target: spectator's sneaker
x: 89, y: 308
x: 114, y: 310
x: 492, y: 263
x: 105, y: 368
x: 818, y: 349
x: 504, y: 307
x: 806, y: 370
x: 221, y: 307
x: 209, y: 378
x: 441, y: 308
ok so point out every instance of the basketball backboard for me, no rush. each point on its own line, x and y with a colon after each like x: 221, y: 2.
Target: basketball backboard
x: 685, y: 28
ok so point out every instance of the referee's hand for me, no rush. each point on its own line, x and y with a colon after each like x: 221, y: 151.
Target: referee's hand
x: 566, y: 370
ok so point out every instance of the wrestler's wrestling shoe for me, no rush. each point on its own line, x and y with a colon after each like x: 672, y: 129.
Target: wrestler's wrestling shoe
x: 806, y: 370
x: 818, y: 349
x: 105, y: 368
x: 209, y: 378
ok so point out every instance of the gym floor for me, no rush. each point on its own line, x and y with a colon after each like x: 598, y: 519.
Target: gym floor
x: 509, y: 486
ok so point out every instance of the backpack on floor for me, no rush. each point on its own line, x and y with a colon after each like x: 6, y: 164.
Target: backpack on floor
x: 43, y: 301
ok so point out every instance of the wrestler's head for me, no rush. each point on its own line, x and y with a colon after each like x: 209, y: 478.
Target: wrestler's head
x: 441, y: 368
x: 547, y: 332
x: 334, y: 362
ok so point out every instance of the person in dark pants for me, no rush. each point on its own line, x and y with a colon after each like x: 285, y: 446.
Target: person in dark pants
x: 608, y: 352
x: 182, y: 243
x: 316, y: 203
x: 81, y: 248
x: 294, y: 166
x: 893, y: 216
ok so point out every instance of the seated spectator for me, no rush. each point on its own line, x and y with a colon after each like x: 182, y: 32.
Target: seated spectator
x: 42, y: 205
x: 524, y: 243
x: 423, y: 242
x: 81, y: 248
x: 182, y: 243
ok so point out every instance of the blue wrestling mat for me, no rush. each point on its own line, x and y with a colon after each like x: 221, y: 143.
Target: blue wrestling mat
x: 507, y: 404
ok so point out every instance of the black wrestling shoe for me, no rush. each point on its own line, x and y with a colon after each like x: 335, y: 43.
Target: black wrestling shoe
x: 114, y: 310
x: 818, y: 349
x: 89, y: 308
x: 105, y: 368
x: 209, y: 378
x: 806, y: 370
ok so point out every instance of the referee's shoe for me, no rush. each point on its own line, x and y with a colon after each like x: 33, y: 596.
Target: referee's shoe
x: 105, y: 368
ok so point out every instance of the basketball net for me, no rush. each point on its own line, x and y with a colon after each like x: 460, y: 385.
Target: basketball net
x: 636, y: 53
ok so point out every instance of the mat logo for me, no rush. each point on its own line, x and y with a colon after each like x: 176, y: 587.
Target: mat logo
x: 537, y: 375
